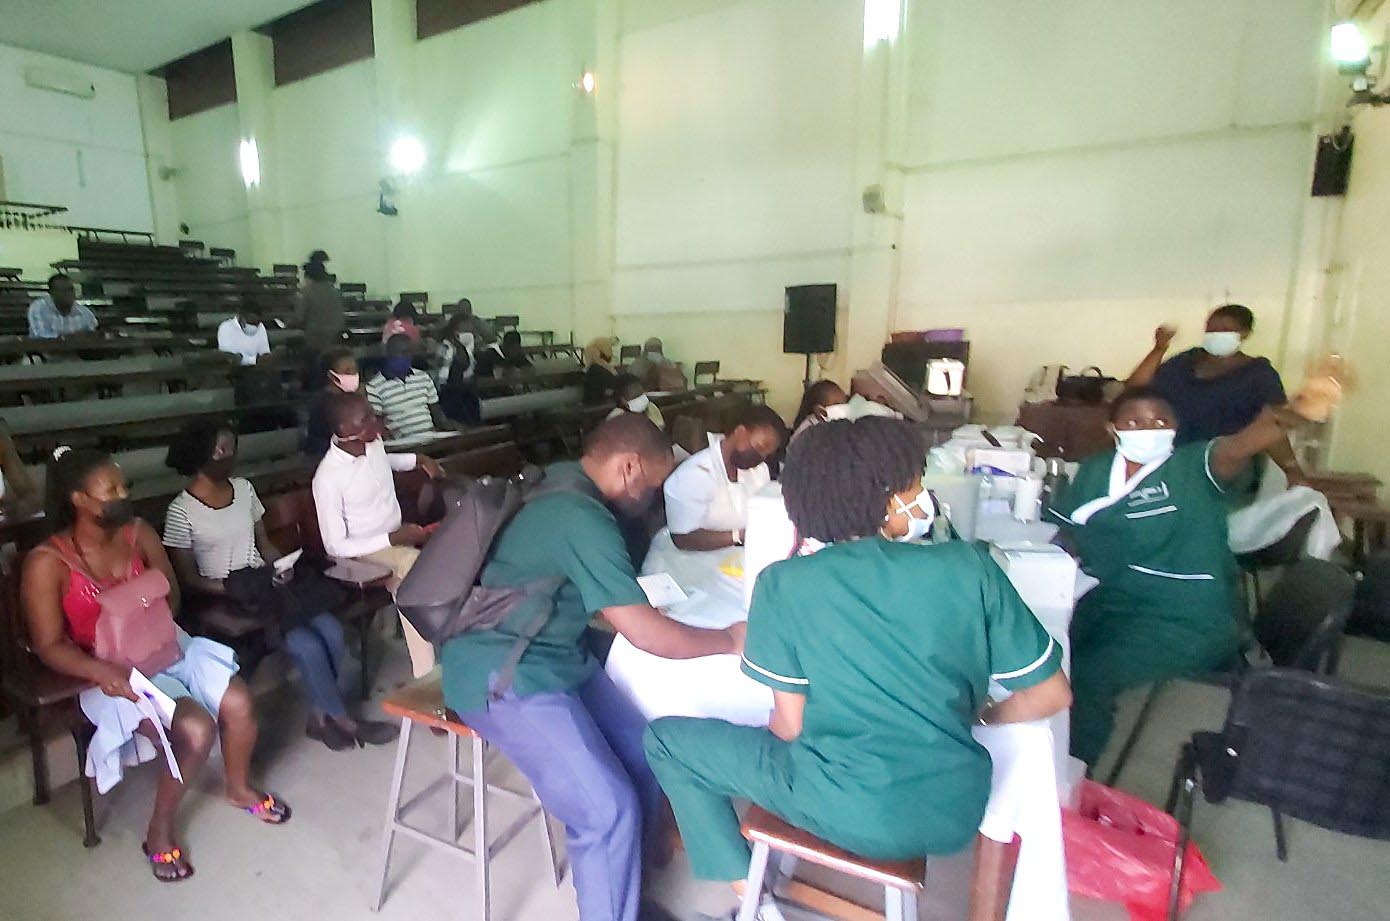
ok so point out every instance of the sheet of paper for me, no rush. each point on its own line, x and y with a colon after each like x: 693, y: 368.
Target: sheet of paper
x: 662, y: 590
x: 147, y: 690
x: 152, y: 705
x: 287, y: 561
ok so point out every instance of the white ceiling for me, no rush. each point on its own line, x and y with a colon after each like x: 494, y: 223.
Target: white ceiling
x: 130, y: 35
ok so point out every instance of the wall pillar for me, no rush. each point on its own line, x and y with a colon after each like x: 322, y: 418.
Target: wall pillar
x: 153, y: 97
x: 869, y: 303
x: 393, y: 37
x: 593, y: 29
x: 253, y: 59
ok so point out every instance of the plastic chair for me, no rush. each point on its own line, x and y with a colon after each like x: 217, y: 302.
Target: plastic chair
x: 1299, y: 626
x: 1303, y: 745
x: 423, y: 703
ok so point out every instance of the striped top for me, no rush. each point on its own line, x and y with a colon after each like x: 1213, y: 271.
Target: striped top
x: 405, y: 403
x: 222, y: 539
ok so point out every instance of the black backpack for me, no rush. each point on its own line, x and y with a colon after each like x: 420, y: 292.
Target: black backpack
x: 1371, y: 616
x: 441, y: 597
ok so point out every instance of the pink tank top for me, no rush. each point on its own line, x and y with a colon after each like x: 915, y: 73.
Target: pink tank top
x: 80, y: 604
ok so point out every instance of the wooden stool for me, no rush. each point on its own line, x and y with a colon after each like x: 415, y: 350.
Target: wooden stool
x: 901, y: 879
x: 423, y: 703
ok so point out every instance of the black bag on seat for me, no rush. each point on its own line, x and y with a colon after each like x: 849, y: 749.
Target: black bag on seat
x: 441, y: 597
x: 1371, y: 616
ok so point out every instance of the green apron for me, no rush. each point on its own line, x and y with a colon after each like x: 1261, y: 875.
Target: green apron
x: 1166, y: 604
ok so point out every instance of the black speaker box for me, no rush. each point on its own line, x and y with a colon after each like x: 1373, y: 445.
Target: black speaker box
x: 808, y: 321
x: 1332, y: 168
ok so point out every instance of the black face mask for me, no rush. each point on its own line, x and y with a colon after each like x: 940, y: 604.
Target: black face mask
x: 219, y: 469
x: 746, y: 459
x: 116, y: 512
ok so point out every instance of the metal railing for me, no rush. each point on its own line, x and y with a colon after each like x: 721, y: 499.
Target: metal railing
x: 19, y: 215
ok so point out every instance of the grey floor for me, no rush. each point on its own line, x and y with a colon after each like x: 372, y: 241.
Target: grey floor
x: 322, y: 865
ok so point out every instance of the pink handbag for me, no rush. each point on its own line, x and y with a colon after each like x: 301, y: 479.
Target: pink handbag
x: 136, y: 626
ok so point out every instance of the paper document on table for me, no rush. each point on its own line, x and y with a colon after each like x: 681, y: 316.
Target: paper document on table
x: 662, y: 590
x: 158, y: 708
x: 288, y: 560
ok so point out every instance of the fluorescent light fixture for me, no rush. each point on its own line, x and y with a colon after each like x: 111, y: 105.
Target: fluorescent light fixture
x: 882, y: 20
x: 1349, y: 47
x: 250, y: 159
x: 588, y: 82
x: 407, y: 155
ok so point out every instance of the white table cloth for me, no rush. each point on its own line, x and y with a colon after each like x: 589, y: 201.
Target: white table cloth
x: 1023, y: 798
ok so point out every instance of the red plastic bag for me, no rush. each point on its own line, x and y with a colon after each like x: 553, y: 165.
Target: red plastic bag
x: 1120, y: 849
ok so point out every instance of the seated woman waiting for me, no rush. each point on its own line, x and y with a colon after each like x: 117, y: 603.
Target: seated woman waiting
x: 879, y: 651
x: 99, y: 547
x: 340, y: 375
x: 216, y: 534
x: 707, y: 497
x: 816, y: 405
x: 632, y: 397
x: 1148, y: 520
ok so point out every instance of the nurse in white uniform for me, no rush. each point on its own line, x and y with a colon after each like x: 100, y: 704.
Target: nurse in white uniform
x: 707, y: 496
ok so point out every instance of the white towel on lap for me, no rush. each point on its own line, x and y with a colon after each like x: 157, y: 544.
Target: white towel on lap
x: 1276, y: 508
x: 203, y: 674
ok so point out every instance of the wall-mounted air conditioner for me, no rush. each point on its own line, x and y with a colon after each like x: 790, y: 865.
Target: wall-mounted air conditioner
x: 59, y: 81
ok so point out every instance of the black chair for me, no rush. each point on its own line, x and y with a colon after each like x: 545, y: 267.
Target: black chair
x: 1303, y: 745
x: 1285, y: 551
x: 628, y: 353
x: 1299, y: 626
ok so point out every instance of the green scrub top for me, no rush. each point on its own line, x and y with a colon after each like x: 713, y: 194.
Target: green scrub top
x: 561, y: 534
x: 894, y: 646
x: 1162, y: 551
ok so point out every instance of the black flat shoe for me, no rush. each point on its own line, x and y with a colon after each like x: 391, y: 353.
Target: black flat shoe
x: 332, y: 735
x: 376, y: 732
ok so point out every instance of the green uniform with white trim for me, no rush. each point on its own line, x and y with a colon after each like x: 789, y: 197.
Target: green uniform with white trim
x: 1167, y: 600
x: 893, y: 646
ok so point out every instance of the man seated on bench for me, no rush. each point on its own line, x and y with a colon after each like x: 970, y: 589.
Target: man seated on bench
x: 244, y: 335
x: 57, y: 314
x: 355, y: 499
x: 406, y: 396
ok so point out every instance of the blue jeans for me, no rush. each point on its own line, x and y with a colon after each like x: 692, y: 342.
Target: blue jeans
x: 582, y: 751
x: 318, y: 650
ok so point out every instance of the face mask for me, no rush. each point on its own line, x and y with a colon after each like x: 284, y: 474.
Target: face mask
x: 917, y: 528
x: 1221, y: 344
x: 838, y: 411
x: 1144, y: 446
x: 639, y: 404
x: 116, y: 512
x: 347, y: 383
x: 655, y: 357
x: 746, y: 459
x: 397, y: 366
x: 248, y: 329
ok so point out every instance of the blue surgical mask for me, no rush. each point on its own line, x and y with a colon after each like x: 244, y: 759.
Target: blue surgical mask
x: 397, y: 366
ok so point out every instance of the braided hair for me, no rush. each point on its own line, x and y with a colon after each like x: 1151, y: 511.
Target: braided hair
x: 67, y: 473
x: 840, y: 474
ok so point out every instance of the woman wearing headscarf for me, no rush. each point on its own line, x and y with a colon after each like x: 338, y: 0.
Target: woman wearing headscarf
x: 600, y: 377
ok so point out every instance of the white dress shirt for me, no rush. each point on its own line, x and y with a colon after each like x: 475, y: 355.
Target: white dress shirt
x: 232, y: 337
x: 355, y: 498
x: 700, y: 496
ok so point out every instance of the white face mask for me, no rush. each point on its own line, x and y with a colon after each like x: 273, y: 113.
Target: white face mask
x: 248, y: 329
x: 1144, y: 446
x: 917, y: 528
x: 1221, y: 344
x: 639, y: 404
x: 837, y: 411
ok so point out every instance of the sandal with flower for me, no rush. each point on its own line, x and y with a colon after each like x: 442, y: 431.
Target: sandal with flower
x: 270, y: 810
x: 168, y: 866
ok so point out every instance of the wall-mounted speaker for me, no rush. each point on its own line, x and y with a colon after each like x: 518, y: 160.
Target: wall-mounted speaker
x: 808, y: 321
x: 1332, y: 167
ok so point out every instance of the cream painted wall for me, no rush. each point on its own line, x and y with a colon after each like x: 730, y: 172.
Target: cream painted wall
x: 1100, y: 171
x: 85, y: 154
x: 735, y: 175
x: 208, y: 188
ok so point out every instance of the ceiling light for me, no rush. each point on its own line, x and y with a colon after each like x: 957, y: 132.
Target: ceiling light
x: 250, y: 159
x: 882, y: 19
x: 1349, y: 47
x: 407, y: 155
x: 588, y: 82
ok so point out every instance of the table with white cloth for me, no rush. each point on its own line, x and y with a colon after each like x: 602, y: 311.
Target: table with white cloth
x: 1024, y: 790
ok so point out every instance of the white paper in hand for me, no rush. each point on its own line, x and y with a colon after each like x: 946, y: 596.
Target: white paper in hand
x: 662, y: 590
x: 158, y: 708
x: 287, y: 561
